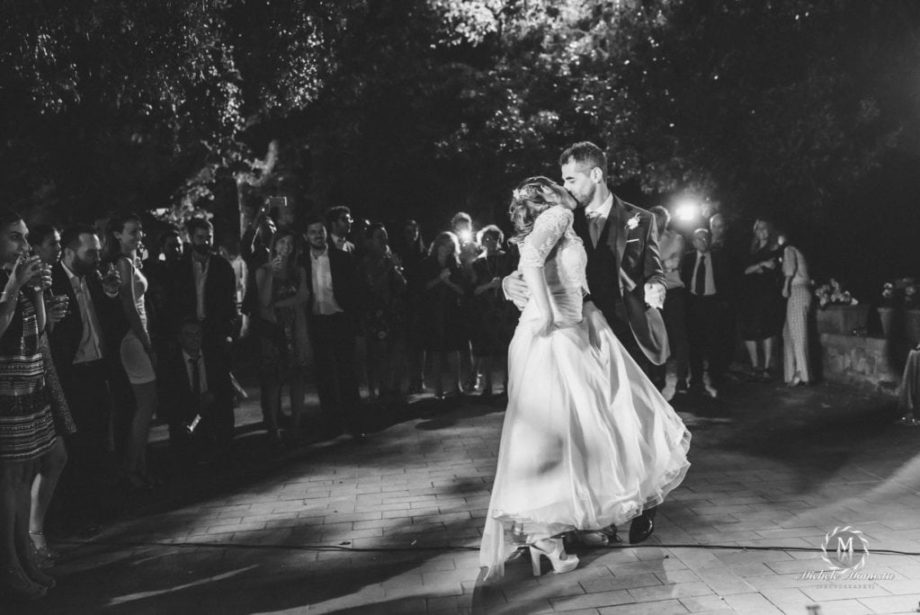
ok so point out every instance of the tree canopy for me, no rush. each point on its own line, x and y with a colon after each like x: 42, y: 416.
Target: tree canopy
x: 423, y: 107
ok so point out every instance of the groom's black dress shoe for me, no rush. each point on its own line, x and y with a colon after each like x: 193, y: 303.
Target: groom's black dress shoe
x: 642, y: 526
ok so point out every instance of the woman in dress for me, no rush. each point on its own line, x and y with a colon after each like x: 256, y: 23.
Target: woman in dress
x: 762, y: 309
x: 444, y: 329
x: 797, y: 290
x: 384, y: 314
x: 282, y: 326
x: 27, y: 432
x: 138, y: 358
x: 588, y: 441
x: 494, y: 319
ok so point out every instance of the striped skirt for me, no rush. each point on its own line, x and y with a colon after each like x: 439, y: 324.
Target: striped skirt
x: 26, y: 423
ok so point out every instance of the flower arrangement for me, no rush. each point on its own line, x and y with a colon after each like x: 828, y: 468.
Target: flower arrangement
x: 904, y: 292
x: 832, y: 293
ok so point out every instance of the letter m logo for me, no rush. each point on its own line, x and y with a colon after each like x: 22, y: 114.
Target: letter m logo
x: 845, y: 548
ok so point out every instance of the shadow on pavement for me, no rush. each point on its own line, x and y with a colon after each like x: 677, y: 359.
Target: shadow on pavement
x: 133, y: 567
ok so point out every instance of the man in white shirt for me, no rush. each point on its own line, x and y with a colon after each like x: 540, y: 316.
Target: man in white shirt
x: 332, y: 307
x: 81, y: 349
x: 705, y: 273
x: 203, y: 286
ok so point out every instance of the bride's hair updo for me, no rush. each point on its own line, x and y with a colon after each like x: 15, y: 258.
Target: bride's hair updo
x: 531, y: 198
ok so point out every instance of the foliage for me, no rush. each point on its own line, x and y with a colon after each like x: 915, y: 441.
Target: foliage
x: 420, y: 107
x: 780, y: 106
x: 113, y: 104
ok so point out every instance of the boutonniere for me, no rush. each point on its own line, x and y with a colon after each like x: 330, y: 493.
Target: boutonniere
x: 633, y: 222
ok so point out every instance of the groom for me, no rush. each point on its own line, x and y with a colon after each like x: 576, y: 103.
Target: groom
x: 624, y: 274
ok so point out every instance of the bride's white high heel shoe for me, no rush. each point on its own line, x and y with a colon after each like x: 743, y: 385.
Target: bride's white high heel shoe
x: 552, y: 549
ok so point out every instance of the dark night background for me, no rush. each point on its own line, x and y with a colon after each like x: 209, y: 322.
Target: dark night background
x: 803, y: 111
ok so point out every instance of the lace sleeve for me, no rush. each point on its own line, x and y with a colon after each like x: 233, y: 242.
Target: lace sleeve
x: 549, y: 227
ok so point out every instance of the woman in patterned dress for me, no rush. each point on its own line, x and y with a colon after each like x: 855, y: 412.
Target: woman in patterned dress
x: 26, y: 425
x: 797, y: 290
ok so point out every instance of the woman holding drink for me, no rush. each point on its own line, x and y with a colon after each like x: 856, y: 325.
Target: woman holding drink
x: 26, y: 425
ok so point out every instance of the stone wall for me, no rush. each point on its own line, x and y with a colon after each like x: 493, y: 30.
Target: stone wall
x: 868, y: 362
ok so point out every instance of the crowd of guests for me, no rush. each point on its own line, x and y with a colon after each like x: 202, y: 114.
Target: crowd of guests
x: 719, y: 291
x: 336, y: 302
x: 103, y: 331
x: 96, y: 341
x: 93, y: 344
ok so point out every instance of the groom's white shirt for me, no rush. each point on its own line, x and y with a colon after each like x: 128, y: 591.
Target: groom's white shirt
x: 602, y: 210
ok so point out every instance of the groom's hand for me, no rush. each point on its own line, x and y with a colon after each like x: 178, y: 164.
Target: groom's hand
x: 654, y: 295
x: 515, y: 289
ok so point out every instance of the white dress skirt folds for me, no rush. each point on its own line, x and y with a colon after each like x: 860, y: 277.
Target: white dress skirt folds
x: 588, y: 441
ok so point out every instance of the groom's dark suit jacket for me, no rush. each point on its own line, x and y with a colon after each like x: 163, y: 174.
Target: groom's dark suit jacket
x: 628, y: 243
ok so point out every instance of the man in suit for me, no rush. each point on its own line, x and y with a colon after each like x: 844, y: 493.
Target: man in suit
x: 339, y: 220
x: 81, y: 348
x: 707, y: 274
x: 203, y: 286
x: 624, y: 267
x: 624, y: 275
x: 198, y: 396
x: 332, y: 311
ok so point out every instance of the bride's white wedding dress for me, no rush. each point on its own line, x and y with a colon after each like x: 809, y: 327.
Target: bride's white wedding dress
x: 588, y: 441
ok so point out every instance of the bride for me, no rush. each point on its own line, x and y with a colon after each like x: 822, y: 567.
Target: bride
x: 588, y: 441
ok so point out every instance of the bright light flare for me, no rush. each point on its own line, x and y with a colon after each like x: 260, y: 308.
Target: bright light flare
x: 687, y: 210
x: 466, y: 236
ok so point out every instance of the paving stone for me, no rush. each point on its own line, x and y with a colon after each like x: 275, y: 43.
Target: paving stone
x: 905, y: 603
x: 677, y: 590
x: 663, y: 607
x: 751, y: 603
x: 592, y: 600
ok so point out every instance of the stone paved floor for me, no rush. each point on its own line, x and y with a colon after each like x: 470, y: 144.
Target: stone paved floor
x: 392, y: 525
